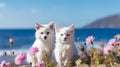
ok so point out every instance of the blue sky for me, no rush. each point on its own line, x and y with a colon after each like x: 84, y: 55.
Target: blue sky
x: 25, y: 13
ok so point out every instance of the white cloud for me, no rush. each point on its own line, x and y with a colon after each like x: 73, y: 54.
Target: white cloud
x: 2, y: 5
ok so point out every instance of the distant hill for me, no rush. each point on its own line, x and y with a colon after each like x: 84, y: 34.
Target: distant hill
x: 107, y: 22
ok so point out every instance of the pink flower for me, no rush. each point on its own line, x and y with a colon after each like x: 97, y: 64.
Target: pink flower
x: 11, y: 40
x: 19, y: 59
x: 107, y: 49
x: 41, y: 64
x: 4, y: 64
x: 111, y: 41
x: 89, y: 39
x: 33, y: 51
x: 8, y: 64
x: 109, y: 46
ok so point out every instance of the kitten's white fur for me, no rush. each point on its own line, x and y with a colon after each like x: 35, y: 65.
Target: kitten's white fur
x: 64, y: 47
x: 45, y: 45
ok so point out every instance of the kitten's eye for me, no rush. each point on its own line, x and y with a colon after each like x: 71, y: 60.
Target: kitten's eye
x: 48, y: 33
x: 41, y: 33
x: 61, y: 34
x: 68, y: 34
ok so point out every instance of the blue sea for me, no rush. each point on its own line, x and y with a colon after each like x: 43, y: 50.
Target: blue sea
x: 24, y: 38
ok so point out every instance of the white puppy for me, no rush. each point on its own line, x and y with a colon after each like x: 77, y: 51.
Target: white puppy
x: 44, y: 42
x: 64, y: 47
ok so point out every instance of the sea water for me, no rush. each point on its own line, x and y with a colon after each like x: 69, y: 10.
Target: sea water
x: 24, y: 38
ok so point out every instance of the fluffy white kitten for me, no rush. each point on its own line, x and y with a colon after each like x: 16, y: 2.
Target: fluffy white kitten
x: 64, y: 47
x: 44, y: 42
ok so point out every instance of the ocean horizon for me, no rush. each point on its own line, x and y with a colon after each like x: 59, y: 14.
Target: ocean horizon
x: 24, y: 38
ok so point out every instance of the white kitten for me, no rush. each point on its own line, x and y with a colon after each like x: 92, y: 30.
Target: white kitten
x: 64, y: 47
x: 44, y: 42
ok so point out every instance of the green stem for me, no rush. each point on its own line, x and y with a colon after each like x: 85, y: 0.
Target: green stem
x: 98, y: 62
x: 12, y: 56
x: 92, y: 45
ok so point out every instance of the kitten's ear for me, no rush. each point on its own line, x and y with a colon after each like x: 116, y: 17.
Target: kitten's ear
x: 57, y: 28
x: 72, y: 27
x: 51, y: 25
x: 37, y: 26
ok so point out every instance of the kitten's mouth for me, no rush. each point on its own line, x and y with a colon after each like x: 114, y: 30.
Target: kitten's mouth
x: 64, y: 40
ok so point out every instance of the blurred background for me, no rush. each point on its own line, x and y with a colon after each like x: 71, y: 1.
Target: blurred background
x: 100, y: 18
